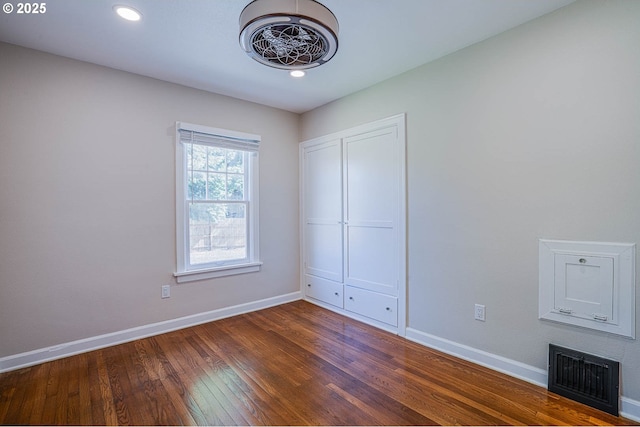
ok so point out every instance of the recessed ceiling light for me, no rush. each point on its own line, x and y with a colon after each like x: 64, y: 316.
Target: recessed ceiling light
x: 127, y: 12
x: 297, y: 73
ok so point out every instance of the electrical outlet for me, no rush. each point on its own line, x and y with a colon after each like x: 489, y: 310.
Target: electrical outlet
x: 479, y: 312
x: 166, y: 291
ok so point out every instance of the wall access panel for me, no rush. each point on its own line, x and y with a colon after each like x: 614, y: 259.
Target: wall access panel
x: 588, y: 284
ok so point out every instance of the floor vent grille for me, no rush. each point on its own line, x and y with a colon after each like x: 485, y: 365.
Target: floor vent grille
x: 585, y: 378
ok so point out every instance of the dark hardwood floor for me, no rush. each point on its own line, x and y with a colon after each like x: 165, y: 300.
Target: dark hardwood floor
x: 295, y: 364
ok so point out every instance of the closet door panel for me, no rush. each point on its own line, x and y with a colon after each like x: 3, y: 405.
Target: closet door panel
x: 322, y: 195
x: 371, y: 173
x: 372, y: 196
x: 324, y: 252
x: 370, y: 258
x: 323, y: 181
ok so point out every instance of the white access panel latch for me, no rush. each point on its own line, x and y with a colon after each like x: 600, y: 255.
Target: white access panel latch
x: 588, y: 284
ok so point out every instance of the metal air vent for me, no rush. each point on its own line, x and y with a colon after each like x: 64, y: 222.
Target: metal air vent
x: 289, y: 34
x: 588, y: 379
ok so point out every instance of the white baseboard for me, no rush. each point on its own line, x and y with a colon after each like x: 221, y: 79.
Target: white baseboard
x: 629, y: 408
x: 23, y: 360
x: 497, y: 363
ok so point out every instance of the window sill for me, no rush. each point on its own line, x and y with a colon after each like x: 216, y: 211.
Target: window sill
x: 211, y: 273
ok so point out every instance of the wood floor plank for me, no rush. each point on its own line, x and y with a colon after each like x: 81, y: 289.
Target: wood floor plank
x: 226, y: 380
x: 484, y: 397
x: 188, y: 410
x: 312, y: 388
x: 13, y: 395
x: 253, y: 371
x: 196, y: 383
x: 392, y: 411
x: 151, y: 392
x: 294, y: 364
x: 123, y: 399
x: 36, y: 391
x: 95, y: 400
x: 223, y: 379
x: 255, y: 400
x: 74, y: 406
x: 84, y: 391
x: 105, y: 396
x: 174, y: 381
x: 6, y: 397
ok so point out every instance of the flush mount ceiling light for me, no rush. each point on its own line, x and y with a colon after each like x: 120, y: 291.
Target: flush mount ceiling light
x: 289, y: 34
x: 127, y: 12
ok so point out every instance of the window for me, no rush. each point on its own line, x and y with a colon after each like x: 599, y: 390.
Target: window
x: 216, y: 202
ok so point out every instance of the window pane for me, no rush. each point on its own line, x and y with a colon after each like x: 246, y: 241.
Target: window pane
x: 217, y: 187
x: 235, y: 187
x: 217, y: 232
x: 217, y: 157
x: 199, y: 158
x: 197, y: 186
x: 235, y: 161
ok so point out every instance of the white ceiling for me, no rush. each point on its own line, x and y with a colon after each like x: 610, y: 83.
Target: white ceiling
x: 195, y: 42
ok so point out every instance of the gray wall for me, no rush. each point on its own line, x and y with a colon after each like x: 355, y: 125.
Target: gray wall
x: 87, y: 200
x: 534, y: 133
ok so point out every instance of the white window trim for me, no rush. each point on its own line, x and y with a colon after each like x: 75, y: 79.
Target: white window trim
x: 183, y: 273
